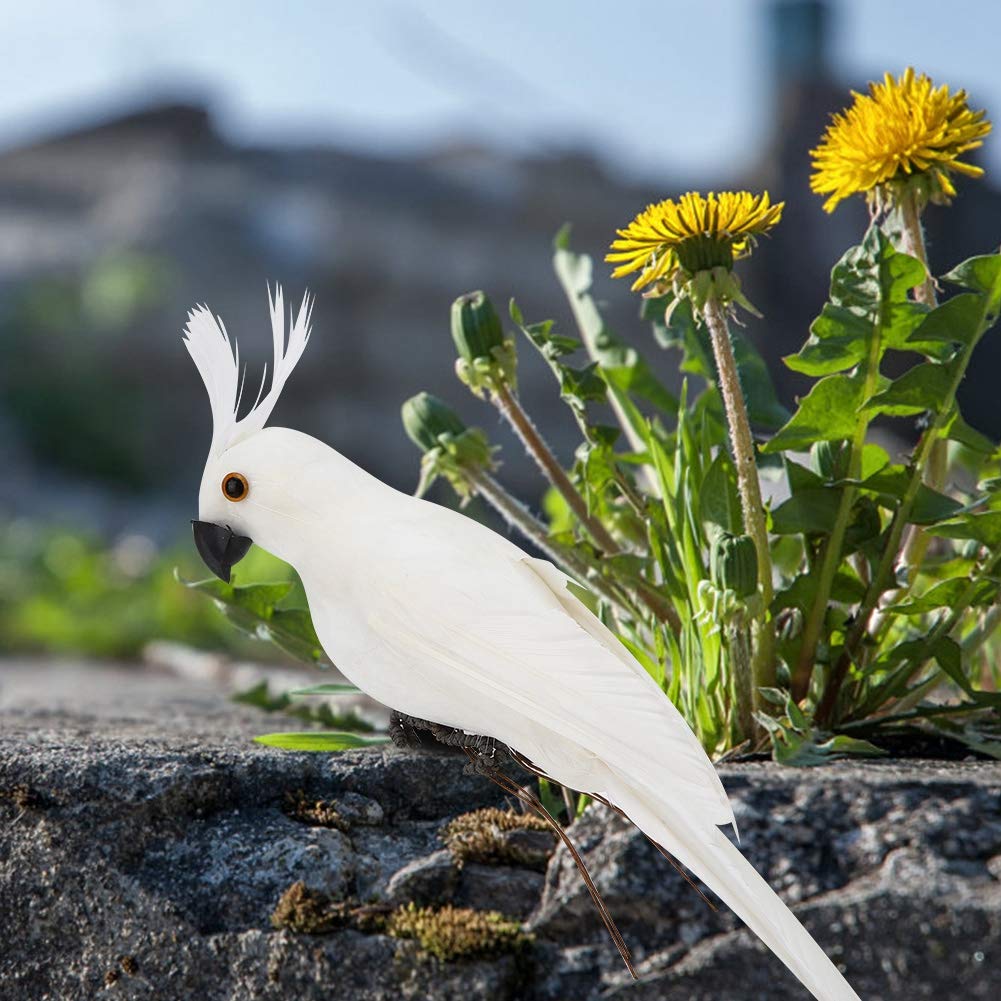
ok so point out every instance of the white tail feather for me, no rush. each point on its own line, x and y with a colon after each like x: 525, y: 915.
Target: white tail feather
x: 217, y: 359
x: 720, y: 865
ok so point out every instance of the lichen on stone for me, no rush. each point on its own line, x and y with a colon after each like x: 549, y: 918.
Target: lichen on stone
x: 450, y: 933
x: 315, y: 812
x: 485, y: 836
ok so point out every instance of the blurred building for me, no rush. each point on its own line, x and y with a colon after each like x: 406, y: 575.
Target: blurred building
x: 108, y: 234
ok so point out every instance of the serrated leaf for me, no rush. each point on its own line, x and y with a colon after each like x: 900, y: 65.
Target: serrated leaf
x: 826, y: 413
x: 959, y: 431
x: 552, y: 346
x: 945, y: 594
x: 931, y: 507
x: 957, y: 321
x: 801, y: 477
x: 253, y: 609
x: 890, y: 483
x: 839, y: 342
x: 874, y: 458
x: 319, y: 740
x: 808, y: 512
x: 869, y: 306
x: 921, y: 388
x: 984, y: 528
x: 582, y: 385
x: 292, y: 630
x: 801, y: 593
x: 982, y: 274
x: 870, y: 311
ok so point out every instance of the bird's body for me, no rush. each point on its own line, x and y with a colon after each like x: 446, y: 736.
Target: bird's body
x: 441, y: 618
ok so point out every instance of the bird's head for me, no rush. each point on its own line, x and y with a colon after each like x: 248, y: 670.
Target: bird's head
x: 255, y: 487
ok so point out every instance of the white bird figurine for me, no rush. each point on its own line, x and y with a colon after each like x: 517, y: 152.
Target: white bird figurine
x: 441, y: 618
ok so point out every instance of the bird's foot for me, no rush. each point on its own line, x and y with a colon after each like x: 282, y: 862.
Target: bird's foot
x: 413, y: 732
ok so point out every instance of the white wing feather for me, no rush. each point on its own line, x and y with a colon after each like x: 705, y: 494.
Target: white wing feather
x: 500, y: 629
x: 478, y: 623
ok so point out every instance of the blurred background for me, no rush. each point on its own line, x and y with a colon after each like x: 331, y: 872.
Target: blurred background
x: 388, y: 156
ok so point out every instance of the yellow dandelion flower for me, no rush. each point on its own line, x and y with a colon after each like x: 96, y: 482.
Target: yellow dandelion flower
x: 902, y: 128
x: 693, y: 234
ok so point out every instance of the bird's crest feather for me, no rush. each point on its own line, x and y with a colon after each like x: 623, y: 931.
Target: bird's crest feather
x: 217, y: 359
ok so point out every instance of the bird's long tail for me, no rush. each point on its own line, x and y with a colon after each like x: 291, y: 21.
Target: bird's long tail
x: 720, y: 865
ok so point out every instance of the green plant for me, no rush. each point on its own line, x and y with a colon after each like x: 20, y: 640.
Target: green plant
x: 859, y: 642
x: 863, y: 597
x: 67, y: 591
x: 861, y: 639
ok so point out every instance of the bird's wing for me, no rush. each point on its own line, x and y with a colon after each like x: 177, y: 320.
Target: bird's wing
x: 476, y: 615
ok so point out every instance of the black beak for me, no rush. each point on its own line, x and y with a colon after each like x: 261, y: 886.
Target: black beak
x: 219, y: 547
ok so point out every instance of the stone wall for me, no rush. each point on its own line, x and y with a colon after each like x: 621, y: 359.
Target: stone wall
x: 146, y: 842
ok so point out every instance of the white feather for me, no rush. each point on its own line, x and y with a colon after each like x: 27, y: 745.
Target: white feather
x: 217, y: 359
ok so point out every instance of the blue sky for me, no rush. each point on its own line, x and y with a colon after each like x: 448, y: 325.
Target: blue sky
x: 650, y: 86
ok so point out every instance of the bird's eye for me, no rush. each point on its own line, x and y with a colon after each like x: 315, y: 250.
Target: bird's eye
x: 235, y: 486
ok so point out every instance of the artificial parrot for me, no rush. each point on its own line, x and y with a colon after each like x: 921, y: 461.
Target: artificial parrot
x: 443, y: 619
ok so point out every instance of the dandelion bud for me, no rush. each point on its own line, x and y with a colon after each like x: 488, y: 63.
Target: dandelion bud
x: 476, y: 327
x: 486, y: 360
x: 426, y: 419
x: 451, y: 450
x: 733, y: 564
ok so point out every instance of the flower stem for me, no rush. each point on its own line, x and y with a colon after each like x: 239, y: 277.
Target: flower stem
x: 913, y: 240
x: 511, y: 409
x: 763, y: 663
x: 739, y: 647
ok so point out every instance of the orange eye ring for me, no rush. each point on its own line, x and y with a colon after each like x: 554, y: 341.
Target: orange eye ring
x: 235, y: 487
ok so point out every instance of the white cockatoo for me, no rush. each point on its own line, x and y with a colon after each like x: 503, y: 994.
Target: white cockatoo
x: 441, y: 618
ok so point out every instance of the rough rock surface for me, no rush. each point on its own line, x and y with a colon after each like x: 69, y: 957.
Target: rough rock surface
x: 145, y: 840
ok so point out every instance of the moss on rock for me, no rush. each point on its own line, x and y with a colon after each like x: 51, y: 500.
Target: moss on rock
x: 451, y: 933
x: 487, y: 836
